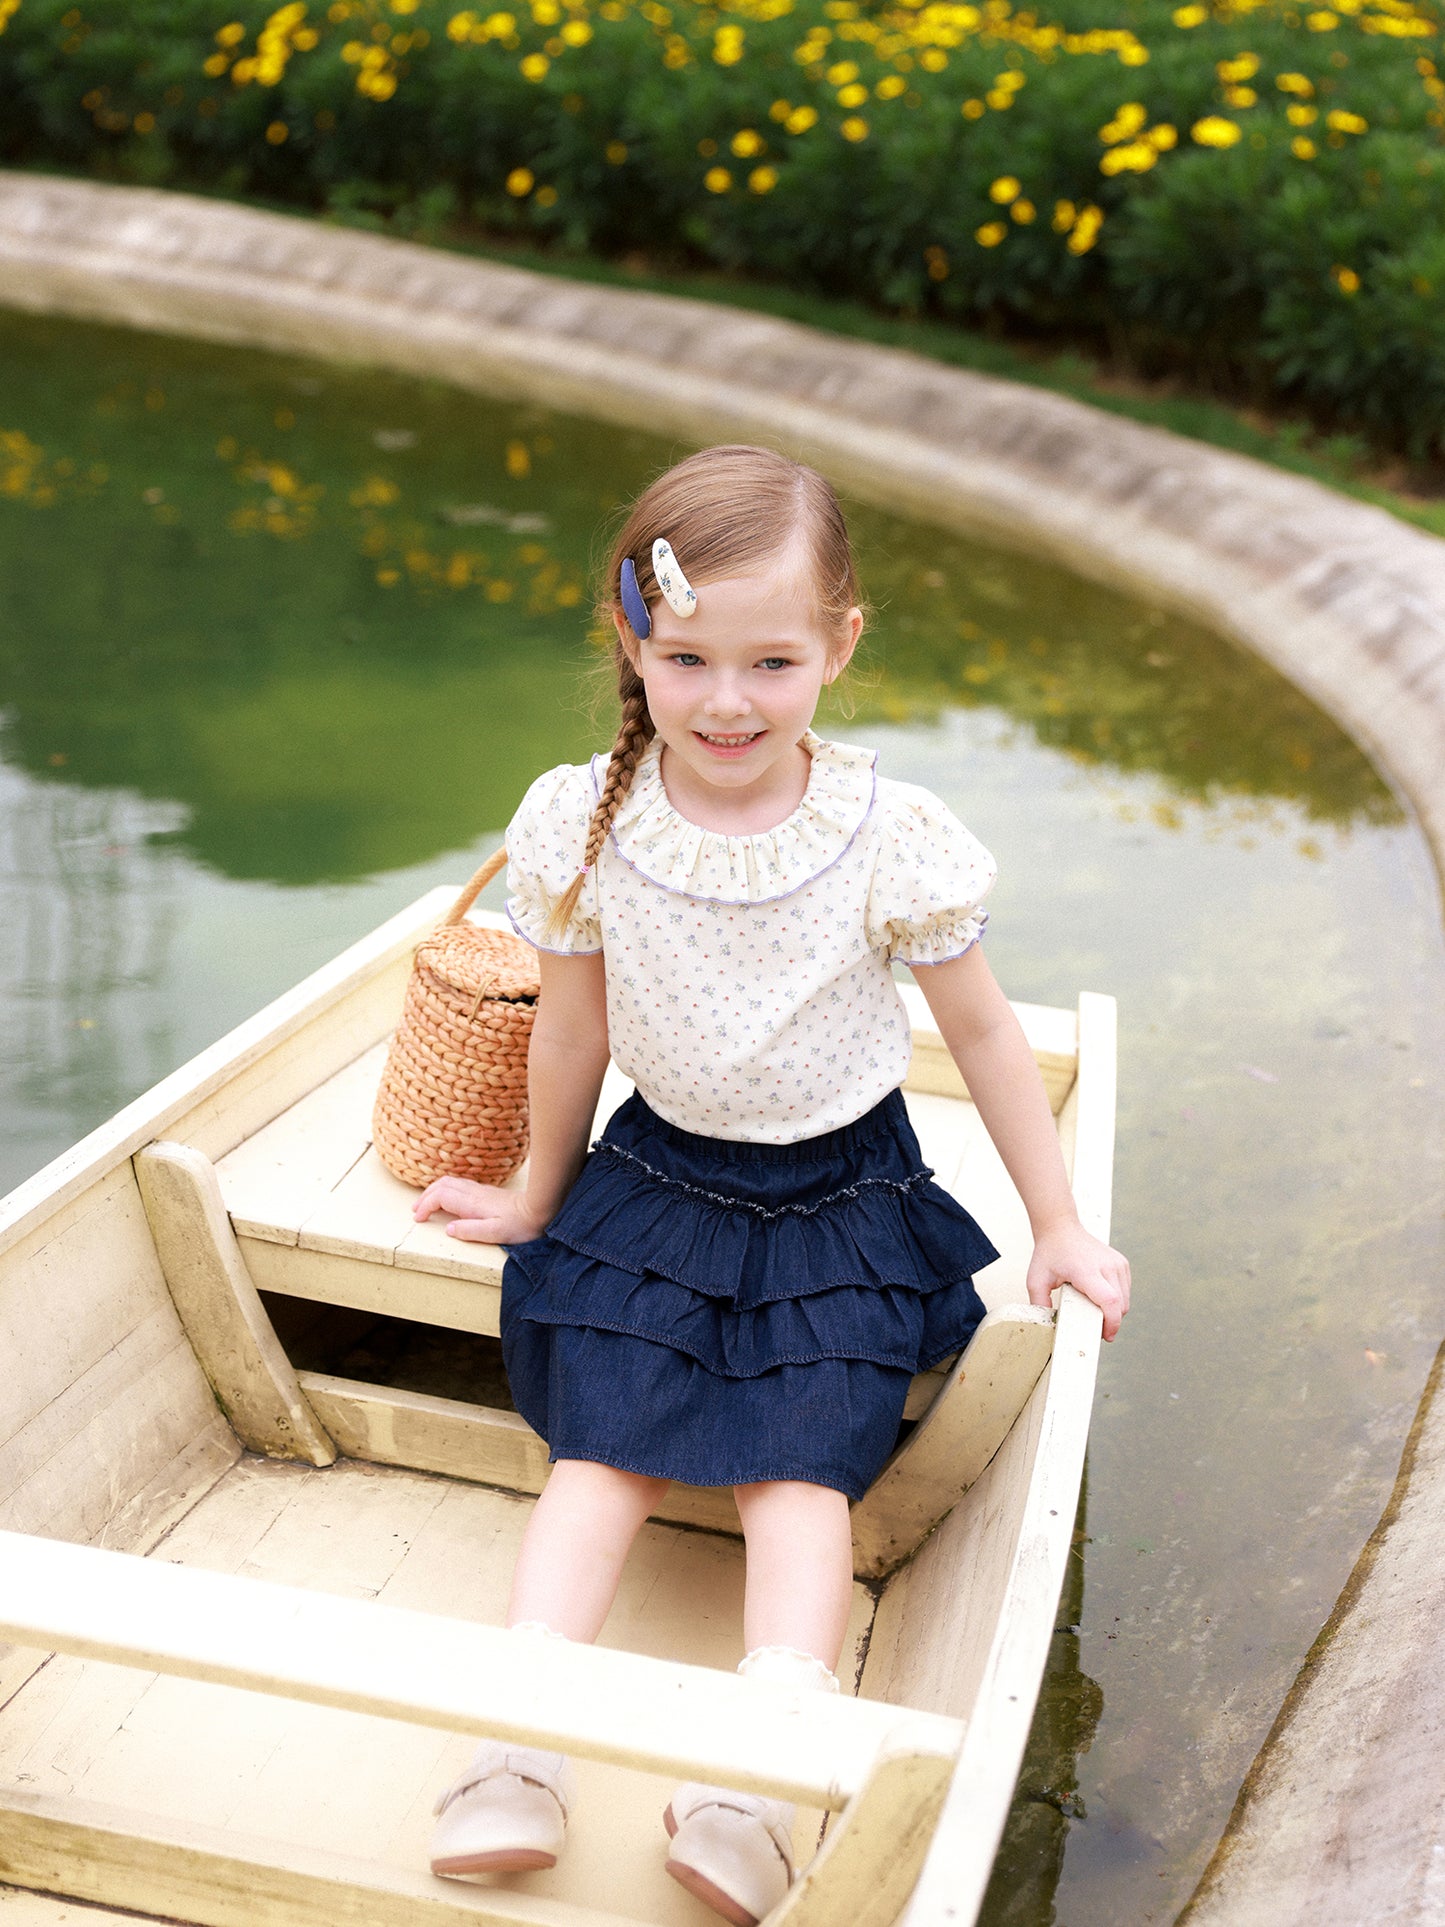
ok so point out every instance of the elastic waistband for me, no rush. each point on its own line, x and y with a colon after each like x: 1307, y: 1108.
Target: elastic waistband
x: 885, y: 1117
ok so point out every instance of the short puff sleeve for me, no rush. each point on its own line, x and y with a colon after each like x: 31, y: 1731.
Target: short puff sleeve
x: 545, y: 841
x: 929, y: 878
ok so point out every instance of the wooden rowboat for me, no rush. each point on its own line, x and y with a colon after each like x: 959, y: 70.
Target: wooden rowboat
x: 246, y: 1723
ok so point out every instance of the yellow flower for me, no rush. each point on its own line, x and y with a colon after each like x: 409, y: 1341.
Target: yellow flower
x: 1302, y: 148
x: 1242, y: 67
x: 998, y: 98
x: 852, y: 96
x: 1345, y: 123
x: 890, y: 87
x: 520, y: 182
x: 1300, y: 116
x: 1295, y: 84
x: 615, y: 152
x: 519, y: 460
x: 1023, y: 212
x: 780, y: 110
x: 855, y: 128
x: 1004, y: 190
x: 801, y: 119
x: 746, y: 142
x: 1322, y: 22
x: 546, y: 197
x: 1346, y: 280
x: 717, y: 180
x: 275, y: 133
x: 933, y: 60
x: 1191, y: 16
x: 990, y: 234
x: 1065, y: 214
x: 727, y: 45
x: 231, y: 35
x: 1125, y: 124
x: 534, y: 66
x: 215, y: 65
x: 763, y: 180
x: 1135, y: 157
x: 1240, y: 96
x: 937, y: 261
x: 1086, y: 229
x: 972, y: 110
x: 1163, y: 137
x: 841, y: 73
x: 576, y: 33
x: 1215, y: 131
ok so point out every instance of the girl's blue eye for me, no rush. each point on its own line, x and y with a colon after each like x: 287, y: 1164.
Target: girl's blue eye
x: 686, y: 660
x: 776, y: 662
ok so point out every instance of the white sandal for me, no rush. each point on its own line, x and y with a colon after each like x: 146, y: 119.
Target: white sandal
x: 507, y: 1813
x: 732, y: 1851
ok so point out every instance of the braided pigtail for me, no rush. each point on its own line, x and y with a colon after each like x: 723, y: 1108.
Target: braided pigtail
x: 634, y: 733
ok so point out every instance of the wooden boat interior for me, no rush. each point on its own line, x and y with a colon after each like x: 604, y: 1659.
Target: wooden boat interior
x: 249, y: 1722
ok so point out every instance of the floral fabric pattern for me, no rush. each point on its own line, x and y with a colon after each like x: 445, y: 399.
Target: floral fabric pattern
x: 750, y: 993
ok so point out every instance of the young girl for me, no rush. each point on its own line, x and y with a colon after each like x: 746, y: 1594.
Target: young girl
x: 739, y: 1282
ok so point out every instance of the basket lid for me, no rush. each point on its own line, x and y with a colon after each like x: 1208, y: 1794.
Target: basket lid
x: 491, y: 962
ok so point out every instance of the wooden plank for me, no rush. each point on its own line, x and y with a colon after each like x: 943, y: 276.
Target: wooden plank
x: 399, y: 1664
x: 457, y: 1304
x: 871, y: 1858
x: 224, y: 1319
x: 955, y: 1874
x: 366, y: 1214
x: 933, y: 1468
x: 274, y: 1180
x: 1051, y: 1033
x: 216, y: 1878
x: 446, y: 1435
x: 214, y: 1073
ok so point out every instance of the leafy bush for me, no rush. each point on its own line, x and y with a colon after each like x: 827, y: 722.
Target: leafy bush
x: 1252, y: 191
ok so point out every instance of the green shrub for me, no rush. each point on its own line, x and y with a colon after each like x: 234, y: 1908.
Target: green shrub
x: 1255, y: 192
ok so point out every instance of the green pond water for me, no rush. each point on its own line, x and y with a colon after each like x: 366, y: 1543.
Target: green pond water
x: 280, y: 647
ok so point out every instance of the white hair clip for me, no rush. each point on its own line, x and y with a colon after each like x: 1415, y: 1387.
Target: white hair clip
x: 677, y: 592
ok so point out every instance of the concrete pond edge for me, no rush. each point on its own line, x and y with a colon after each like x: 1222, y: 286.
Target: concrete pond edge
x: 1342, y: 598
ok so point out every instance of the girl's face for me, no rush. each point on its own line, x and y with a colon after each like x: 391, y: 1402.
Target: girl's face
x: 732, y: 688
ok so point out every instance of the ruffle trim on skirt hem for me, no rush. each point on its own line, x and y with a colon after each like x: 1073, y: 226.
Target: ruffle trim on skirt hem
x: 904, y: 1232
x: 548, y: 1284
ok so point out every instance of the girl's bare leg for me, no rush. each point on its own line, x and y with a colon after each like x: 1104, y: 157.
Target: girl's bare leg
x: 575, y: 1543
x: 800, y: 1567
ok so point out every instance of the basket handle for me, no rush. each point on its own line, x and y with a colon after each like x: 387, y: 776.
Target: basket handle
x: 474, y: 889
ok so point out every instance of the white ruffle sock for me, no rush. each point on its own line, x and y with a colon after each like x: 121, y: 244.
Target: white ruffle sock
x: 734, y: 1851
x: 507, y: 1811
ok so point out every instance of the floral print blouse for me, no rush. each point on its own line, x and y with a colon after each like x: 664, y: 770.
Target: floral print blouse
x: 750, y: 993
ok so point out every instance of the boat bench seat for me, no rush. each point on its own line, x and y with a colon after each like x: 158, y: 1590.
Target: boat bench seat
x: 305, y: 1208
x: 885, y: 1768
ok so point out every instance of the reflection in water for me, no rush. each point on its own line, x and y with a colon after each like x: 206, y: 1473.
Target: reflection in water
x: 336, y: 615
x: 87, y: 922
x: 281, y: 646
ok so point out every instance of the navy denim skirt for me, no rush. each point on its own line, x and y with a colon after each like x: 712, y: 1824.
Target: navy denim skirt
x: 721, y: 1312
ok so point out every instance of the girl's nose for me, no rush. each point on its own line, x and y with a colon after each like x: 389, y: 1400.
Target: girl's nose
x: 725, y: 700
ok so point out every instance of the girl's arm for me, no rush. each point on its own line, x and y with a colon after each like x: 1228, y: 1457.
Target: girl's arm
x: 566, y: 1060
x: 988, y: 1045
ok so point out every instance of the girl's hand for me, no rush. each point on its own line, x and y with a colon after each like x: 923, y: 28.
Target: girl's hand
x: 483, y: 1213
x: 1066, y: 1254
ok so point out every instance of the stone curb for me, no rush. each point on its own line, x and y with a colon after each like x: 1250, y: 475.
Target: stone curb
x: 1343, y: 599
x: 1348, y: 602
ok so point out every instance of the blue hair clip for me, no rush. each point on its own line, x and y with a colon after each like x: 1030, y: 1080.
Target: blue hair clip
x: 633, y: 606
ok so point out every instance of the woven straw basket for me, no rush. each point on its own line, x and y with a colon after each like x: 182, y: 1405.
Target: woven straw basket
x: 453, y: 1096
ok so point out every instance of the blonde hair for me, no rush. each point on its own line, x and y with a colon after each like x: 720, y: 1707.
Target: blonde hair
x: 725, y: 510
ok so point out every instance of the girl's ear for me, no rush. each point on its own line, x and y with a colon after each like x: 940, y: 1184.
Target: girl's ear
x: 839, y: 658
x: 627, y: 640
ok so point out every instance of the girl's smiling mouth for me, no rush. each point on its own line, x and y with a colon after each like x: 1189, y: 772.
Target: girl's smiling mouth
x: 729, y: 745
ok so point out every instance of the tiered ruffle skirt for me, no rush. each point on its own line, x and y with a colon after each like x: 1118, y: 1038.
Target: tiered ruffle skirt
x: 723, y: 1312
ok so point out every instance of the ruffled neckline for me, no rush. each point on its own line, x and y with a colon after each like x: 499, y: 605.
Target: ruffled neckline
x: 650, y: 834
